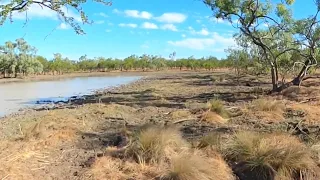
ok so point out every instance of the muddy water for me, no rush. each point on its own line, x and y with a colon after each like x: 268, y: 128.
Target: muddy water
x: 15, y: 96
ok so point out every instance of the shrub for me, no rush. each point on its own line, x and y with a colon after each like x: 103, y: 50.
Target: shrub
x: 153, y: 145
x: 267, y: 156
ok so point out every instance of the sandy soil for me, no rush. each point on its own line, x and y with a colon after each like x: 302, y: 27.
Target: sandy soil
x: 64, y: 142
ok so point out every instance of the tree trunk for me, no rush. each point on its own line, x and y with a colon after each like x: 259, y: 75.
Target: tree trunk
x: 297, y: 80
x: 274, y: 80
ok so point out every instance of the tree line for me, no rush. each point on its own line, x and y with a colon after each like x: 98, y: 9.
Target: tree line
x: 18, y: 58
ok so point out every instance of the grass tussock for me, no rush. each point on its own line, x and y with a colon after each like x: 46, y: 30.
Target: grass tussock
x: 213, y: 118
x: 217, y: 106
x: 196, y: 166
x: 115, y: 169
x: 265, y: 109
x: 269, y: 156
x: 267, y: 105
x: 153, y: 145
x: 211, y: 140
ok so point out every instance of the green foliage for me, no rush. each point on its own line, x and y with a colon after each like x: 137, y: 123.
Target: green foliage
x: 20, y: 58
x: 61, y: 7
x: 269, y: 35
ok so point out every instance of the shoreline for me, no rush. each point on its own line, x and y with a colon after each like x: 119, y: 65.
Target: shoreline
x: 50, y: 77
x: 72, y: 101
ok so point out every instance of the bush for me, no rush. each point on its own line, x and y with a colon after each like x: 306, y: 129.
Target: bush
x: 267, y: 156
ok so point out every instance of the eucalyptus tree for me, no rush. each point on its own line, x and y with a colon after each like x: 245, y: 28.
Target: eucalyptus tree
x: 45, y: 63
x: 61, y: 7
x: 19, y: 57
x: 129, y: 62
x: 144, y: 62
x: 271, y: 28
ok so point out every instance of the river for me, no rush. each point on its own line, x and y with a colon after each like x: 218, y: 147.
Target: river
x: 15, y: 96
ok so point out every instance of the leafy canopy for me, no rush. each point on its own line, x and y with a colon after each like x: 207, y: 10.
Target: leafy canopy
x: 7, y: 9
x: 270, y: 29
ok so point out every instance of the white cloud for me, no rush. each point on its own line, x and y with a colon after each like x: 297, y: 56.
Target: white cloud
x: 203, y: 31
x: 63, y: 26
x: 183, y: 35
x: 169, y: 27
x: 171, y: 18
x: 198, y: 21
x: 193, y: 43
x: 103, y: 15
x: 217, y: 20
x: 110, y: 24
x: 99, y: 22
x: 148, y: 25
x: 36, y: 11
x: 128, y: 25
x: 216, y: 43
x: 116, y: 11
x: 108, y: 30
x: 137, y: 14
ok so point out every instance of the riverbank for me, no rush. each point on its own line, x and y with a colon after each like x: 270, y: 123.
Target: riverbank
x: 73, y: 141
x: 73, y: 75
x: 49, y: 77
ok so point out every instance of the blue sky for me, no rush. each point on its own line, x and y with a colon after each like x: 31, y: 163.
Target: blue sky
x: 156, y: 27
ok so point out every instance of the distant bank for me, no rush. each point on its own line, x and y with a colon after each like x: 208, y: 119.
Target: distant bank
x: 49, y: 77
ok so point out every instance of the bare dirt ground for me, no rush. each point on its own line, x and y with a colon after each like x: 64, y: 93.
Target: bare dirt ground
x: 66, y: 142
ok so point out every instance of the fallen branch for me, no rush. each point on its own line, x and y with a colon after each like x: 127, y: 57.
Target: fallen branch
x: 183, y: 120
x: 311, y: 77
x: 5, y: 177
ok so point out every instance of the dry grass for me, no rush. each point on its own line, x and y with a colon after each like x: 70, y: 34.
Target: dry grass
x: 211, y: 140
x: 265, y: 110
x: 217, y: 106
x: 312, y: 112
x: 180, y: 114
x: 301, y: 93
x: 213, y: 118
x: 115, y: 169
x: 162, y: 153
x: 196, y: 166
x: 153, y: 145
x: 282, y: 156
x: 267, y: 105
